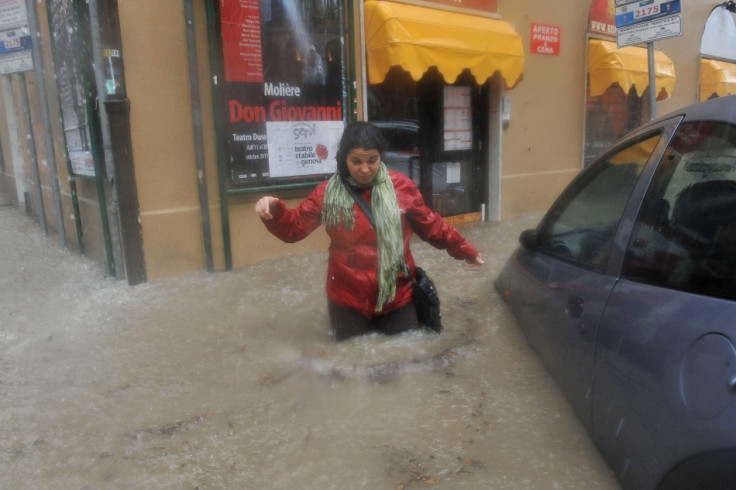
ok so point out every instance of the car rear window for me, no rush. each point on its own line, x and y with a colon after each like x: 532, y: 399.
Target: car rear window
x: 685, y: 235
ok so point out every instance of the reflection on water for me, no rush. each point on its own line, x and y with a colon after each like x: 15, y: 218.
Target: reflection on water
x: 230, y: 380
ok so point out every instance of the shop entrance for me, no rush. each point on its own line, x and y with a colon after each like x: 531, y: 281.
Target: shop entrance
x: 436, y: 135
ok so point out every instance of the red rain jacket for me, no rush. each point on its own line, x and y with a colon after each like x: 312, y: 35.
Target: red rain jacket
x: 353, y: 257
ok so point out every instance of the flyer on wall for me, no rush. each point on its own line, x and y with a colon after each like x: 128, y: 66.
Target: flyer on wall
x: 283, y: 88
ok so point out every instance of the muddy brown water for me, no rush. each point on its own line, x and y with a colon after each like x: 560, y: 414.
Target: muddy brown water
x: 230, y: 380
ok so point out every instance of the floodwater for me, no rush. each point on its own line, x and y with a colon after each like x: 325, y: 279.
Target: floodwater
x: 230, y: 380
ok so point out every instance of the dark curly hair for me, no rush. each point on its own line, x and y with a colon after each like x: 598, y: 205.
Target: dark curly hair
x: 359, y: 134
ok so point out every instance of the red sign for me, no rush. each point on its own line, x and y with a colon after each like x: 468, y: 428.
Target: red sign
x: 241, y: 41
x: 602, y: 20
x: 545, y: 39
x: 488, y: 6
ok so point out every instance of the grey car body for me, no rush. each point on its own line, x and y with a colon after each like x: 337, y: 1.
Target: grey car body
x: 627, y: 292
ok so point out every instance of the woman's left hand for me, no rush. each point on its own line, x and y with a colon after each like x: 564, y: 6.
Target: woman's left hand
x: 475, y: 263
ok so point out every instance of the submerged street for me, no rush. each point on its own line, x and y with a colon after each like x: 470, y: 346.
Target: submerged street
x: 230, y: 380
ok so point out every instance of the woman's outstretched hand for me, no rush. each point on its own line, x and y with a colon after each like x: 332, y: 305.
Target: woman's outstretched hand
x: 475, y: 263
x: 263, y: 207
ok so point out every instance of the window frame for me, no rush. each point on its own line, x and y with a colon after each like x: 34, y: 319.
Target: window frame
x: 660, y: 186
x: 667, y: 126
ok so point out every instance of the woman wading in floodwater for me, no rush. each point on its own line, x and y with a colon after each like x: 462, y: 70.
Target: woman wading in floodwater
x: 370, y: 268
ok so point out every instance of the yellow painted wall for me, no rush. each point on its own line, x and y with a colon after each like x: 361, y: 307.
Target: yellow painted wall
x: 542, y: 148
x: 156, y: 77
x: 157, y: 82
x: 684, y: 51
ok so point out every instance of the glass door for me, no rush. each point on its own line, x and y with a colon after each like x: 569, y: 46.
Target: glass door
x: 433, y: 131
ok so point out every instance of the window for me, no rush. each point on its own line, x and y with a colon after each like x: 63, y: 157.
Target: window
x: 610, y: 116
x: 582, y: 224
x: 685, y: 235
x: 73, y: 67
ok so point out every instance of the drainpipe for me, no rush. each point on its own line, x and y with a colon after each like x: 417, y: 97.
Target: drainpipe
x: 51, y: 154
x: 197, y: 128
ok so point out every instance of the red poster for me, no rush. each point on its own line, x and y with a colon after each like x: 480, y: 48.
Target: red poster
x: 241, y: 40
x: 603, y: 19
x: 545, y: 39
x: 283, y: 89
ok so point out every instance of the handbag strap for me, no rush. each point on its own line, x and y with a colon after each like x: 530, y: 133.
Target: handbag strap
x: 360, y: 201
x: 363, y: 205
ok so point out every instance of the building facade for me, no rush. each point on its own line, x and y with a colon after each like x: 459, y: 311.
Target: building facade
x: 142, y: 133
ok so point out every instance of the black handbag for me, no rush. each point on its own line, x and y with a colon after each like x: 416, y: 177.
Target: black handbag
x: 426, y: 301
x: 424, y: 294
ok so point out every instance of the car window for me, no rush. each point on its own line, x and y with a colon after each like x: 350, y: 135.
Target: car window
x: 582, y: 224
x: 685, y: 235
x: 401, y: 140
x: 400, y: 136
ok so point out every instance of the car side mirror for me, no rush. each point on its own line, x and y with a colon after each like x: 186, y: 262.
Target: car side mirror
x: 528, y: 240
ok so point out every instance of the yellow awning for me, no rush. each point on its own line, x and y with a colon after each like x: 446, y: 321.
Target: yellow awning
x: 416, y: 38
x: 629, y: 66
x: 717, y: 77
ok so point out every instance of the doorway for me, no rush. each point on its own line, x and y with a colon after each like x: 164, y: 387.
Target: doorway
x: 437, y: 136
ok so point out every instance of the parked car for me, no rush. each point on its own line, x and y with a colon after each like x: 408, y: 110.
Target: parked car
x: 402, y: 153
x: 627, y: 292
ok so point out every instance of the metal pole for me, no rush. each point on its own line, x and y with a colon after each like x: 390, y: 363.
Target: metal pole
x: 38, y: 193
x: 652, y: 81
x: 43, y: 100
x: 213, y: 41
x: 197, y: 128
x: 353, y: 82
x: 110, y: 187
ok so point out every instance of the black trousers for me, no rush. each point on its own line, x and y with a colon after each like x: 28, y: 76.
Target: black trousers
x: 347, y: 322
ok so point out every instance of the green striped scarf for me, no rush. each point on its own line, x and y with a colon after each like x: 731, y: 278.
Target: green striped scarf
x: 338, y: 207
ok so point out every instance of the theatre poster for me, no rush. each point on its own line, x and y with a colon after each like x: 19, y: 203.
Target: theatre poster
x: 283, y: 89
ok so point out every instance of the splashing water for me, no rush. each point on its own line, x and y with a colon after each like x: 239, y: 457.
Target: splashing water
x: 230, y: 380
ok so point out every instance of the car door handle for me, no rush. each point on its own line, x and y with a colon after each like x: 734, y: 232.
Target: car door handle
x: 575, y: 306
